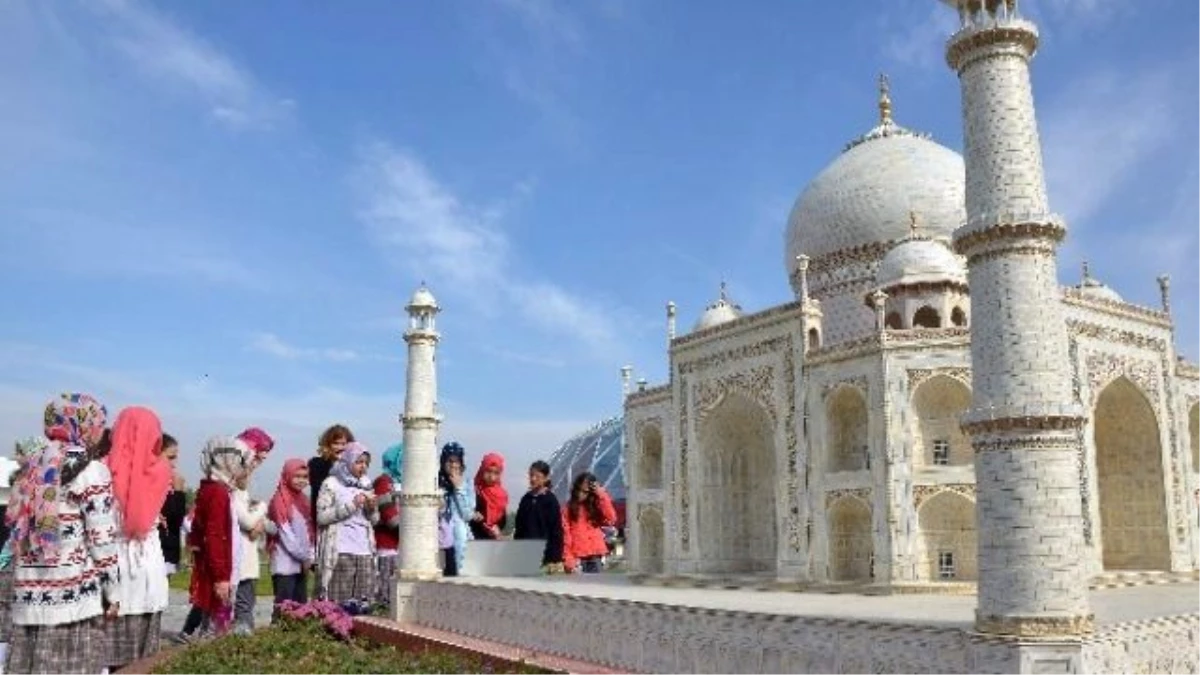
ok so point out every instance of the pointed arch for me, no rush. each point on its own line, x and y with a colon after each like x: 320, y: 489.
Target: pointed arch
x: 926, y: 317
x: 650, y: 457
x: 651, y: 541
x: 948, y: 543
x: 851, y: 540
x: 846, y: 430
x: 1130, y: 476
x: 938, y: 404
x: 736, y: 499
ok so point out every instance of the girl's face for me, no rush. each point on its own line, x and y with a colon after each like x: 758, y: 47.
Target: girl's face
x: 491, y: 476
x: 300, y: 480
x: 360, y: 465
x: 453, y: 465
x: 171, y: 454
x: 537, y: 479
x: 339, y: 445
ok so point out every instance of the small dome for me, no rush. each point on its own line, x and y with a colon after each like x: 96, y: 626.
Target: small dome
x: 919, y: 260
x: 1096, y: 289
x: 864, y: 196
x: 722, y: 311
x: 422, y: 299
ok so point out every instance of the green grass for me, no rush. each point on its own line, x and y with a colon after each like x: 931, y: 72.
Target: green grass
x: 182, y: 581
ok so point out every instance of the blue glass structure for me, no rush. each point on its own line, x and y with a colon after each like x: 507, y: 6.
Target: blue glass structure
x: 598, y: 450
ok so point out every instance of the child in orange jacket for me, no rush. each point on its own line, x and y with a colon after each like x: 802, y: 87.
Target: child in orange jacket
x: 588, y: 510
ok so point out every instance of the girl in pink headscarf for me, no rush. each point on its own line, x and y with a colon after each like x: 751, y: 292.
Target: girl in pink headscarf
x: 141, y: 481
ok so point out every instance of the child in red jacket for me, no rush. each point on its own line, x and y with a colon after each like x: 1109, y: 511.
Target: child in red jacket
x: 588, y: 511
x: 224, y: 461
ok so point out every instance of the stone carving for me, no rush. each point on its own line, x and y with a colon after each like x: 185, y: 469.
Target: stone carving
x: 922, y: 493
x: 1103, y: 367
x: 862, y: 494
x: 791, y: 440
x: 757, y: 383
x: 859, y: 383
x: 685, y: 527
x: 1116, y: 335
x: 918, y: 376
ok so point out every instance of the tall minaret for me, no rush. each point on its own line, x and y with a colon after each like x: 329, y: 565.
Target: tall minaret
x: 419, y: 497
x: 1023, y: 420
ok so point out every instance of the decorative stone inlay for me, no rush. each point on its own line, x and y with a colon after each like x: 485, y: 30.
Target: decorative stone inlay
x: 1178, y: 509
x: 970, y: 42
x: 757, y: 383
x: 648, y: 396
x: 863, y: 494
x: 791, y: 440
x: 1031, y: 423
x: 1121, y: 309
x: 718, y: 360
x: 421, y: 499
x: 979, y: 241
x: 1023, y: 443
x: 859, y: 383
x: 924, y: 334
x: 685, y: 526
x: 1103, y: 367
x: 1036, y: 626
x: 1036, y: 250
x: 918, y: 376
x: 1116, y: 335
x: 1085, y: 491
x: 922, y: 493
x: 763, y: 319
x: 420, y: 421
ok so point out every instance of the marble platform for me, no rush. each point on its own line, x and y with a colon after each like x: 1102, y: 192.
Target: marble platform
x: 607, y: 620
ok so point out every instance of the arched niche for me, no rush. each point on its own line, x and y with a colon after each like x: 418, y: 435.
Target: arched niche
x: 650, y: 457
x: 846, y: 430
x: 1129, y: 473
x: 893, y: 321
x: 926, y: 317
x: 736, y: 501
x: 651, y: 541
x: 1194, y: 434
x: 814, y: 338
x: 958, y: 317
x: 938, y: 404
x: 851, y: 544
x: 949, y: 541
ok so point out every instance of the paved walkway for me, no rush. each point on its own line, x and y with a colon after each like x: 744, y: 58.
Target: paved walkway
x: 177, y: 611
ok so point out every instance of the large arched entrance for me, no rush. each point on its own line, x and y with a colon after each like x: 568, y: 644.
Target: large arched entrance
x: 650, y: 542
x: 650, y: 460
x: 851, y: 544
x: 938, y: 403
x: 846, y: 431
x: 736, y: 499
x: 948, y: 539
x: 1129, y: 472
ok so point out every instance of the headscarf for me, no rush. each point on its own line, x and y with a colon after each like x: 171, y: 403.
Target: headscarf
x: 393, y: 463
x: 450, y: 450
x: 73, y: 423
x: 287, y: 498
x: 492, y: 500
x: 28, y: 447
x: 224, y: 459
x: 258, y: 440
x: 141, y: 476
x: 341, y: 469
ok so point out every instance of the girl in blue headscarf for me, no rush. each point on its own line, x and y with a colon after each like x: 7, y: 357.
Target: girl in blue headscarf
x: 458, y: 505
x: 387, y: 530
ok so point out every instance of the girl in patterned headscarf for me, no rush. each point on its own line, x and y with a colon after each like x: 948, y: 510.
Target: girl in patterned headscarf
x: 24, y: 449
x: 65, y: 546
x: 224, y: 461
x: 346, y: 514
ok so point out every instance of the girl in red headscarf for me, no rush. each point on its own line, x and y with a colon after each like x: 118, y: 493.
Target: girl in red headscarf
x: 293, y: 547
x: 491, y: 499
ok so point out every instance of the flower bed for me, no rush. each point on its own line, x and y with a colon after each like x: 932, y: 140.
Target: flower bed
x: 318, y: 638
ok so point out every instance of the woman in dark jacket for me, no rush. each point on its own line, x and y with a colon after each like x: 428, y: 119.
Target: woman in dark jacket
x: 170, y: 531
x: 330, y: 446
x: 539, y: 516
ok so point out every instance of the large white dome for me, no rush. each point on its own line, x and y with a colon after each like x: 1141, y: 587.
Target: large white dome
x: 867, y: 195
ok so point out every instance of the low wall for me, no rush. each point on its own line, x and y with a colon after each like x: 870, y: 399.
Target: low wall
x: 660, y: 638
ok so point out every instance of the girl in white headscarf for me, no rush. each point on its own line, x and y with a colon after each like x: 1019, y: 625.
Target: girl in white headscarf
x: 346, y: 516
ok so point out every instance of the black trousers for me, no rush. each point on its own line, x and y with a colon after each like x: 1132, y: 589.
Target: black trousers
x: 292, y: 587
x: 450, y: 563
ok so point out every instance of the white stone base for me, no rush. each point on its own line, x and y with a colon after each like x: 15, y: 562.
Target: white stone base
x: 608, y: 621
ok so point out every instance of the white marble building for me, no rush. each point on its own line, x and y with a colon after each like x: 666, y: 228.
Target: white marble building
x: 819, y: 442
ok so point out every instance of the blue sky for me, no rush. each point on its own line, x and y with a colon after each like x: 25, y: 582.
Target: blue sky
x: 219, y: 209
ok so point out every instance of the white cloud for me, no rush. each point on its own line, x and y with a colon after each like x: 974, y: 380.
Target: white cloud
x: 919, y: 43
x: 164, y: 50
x: 1100, y: 130
x: 463, y: 250
x: 547, y: 20
x: 194, y: 408
x: 273, y: 345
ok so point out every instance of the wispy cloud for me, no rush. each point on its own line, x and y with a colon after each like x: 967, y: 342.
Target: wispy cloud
x: 528, y: 359
x: 171, y: 54
x: 1100, y: 130
x: 273, y: 345
x: 463, y: 249
x: 546, y: 20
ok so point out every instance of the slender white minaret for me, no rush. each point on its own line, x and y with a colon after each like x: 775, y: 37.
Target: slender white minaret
x: 670, y: 324
x: 1023, y: 420
x: 419, y: 497
x: 1164, y: 290
x: 626, y: 378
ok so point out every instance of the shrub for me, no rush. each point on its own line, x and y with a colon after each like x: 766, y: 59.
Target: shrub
x: 304, y: 641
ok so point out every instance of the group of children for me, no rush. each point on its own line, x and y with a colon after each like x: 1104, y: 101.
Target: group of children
x: 84, y: 578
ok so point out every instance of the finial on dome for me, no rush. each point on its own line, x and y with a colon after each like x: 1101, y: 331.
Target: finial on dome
x: 1087, y: 272
x: 885, y: 100
x: 723, y: 296
x: 912, y: 224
